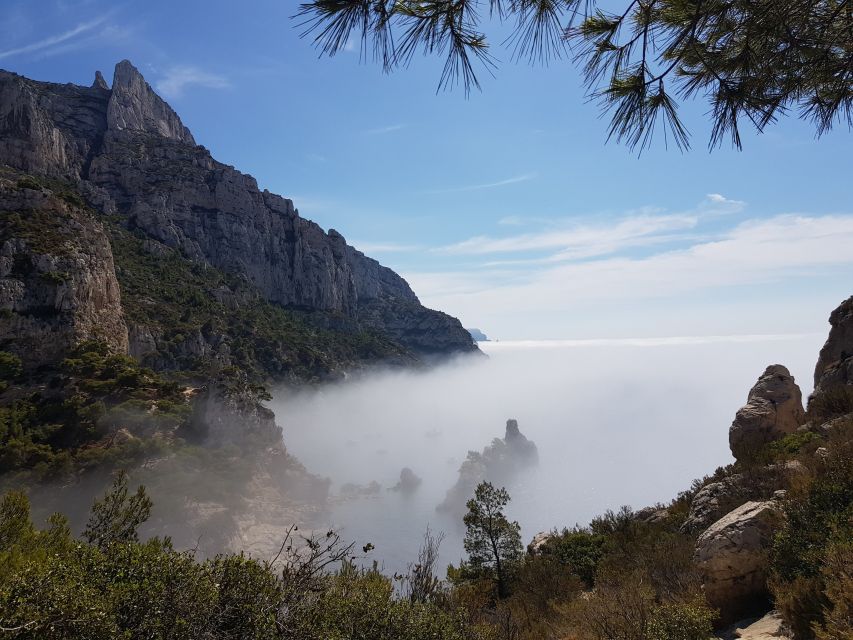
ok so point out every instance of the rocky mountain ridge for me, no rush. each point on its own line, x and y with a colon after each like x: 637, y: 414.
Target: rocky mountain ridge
x: 132, y: 159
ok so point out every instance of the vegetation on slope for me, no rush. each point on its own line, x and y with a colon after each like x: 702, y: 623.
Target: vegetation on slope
x: 626, y: 575
x: 200, y: 325
x: 63, y: 420
x: 182, y: 300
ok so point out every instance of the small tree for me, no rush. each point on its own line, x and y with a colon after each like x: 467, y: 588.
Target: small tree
x: 493, y: 543
x: 117, y: 516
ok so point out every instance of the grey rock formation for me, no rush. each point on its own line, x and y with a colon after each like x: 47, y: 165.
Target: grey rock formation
x: 712, y: 501
x: 732, y: 559
x: 57, y: 279
x: 835, y: 364
x: 770, y: 626
x: 409, y: 481
x: 498, y: 463
x: 539, y: 542
x: 652, y: 515
x: 99, y: 82
x: 774, y: 409
x: 133, y: 106
x: 133, y: 158
x: 227, y: 412
x: 478, y: 335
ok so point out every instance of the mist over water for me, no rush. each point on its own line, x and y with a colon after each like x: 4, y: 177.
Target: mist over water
x: 615, y: 421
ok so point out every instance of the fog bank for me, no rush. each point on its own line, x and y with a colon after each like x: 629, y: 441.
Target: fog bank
x: 615, y: 421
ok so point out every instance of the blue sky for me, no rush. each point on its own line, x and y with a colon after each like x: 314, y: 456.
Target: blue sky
x: 507, y: 208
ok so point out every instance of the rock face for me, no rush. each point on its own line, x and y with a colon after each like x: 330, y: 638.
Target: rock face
x: 732, y: 559
x: 57, y: 279
x: 133, y: 106
x: 774, y: 409
x: 133, y: 158
x: 768, y: 627
x: 539, y: 542
x: 712, y: 501
x: 478, y: 335
x: 835, y: 363
x: 226, y: 412
x: 499, y: 463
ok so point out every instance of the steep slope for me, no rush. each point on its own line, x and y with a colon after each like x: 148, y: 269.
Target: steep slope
x: 132, y: 158
x: 147, y: 291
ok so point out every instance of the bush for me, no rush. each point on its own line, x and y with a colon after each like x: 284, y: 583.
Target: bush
x: 10, y: 367
x: 838, y: 578
x: 690, y: 621
x: 28, y: 182
x: 56, y: 588
x: 831, y: 403
x: 578, y: 550
x: 794, y: 443
x: 818, y: 516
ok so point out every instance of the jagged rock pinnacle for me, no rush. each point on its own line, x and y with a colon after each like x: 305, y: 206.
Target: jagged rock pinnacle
x: 134, y: 106
x: 99, y: 82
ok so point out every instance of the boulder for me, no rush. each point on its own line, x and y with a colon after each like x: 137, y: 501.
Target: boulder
x: 652, y: 515
x: 712, y: 501
x: 768, y: 627
x: 537, y: 545
x: 732, y: 559
x: 774, y: 408
x: 409, y: 481
x: 499, y: 463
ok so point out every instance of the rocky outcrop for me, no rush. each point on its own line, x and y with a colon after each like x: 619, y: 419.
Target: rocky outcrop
x: 499, y: 463
x: 732, y: 559
x: 540, y: 542
x: 133, y: 158
x: 774, y: 409
x: 133, y: 106
x: 713, y: 501
x: 768, y: 627
x: 835, y: 364
x: 228, y: 412
x: 409, y: 481
x: 57, y: 278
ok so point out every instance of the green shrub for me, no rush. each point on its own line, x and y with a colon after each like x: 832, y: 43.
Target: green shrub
x: 817, y: 517
x: 838, y: 579
x: 793, y: 443
x: 831, y: 403
x: 578, y: 550
x: 11, y: 367
x: 28, y: 182
x: 55, y: 587
x: 54, y: 277
x: 690, y: 621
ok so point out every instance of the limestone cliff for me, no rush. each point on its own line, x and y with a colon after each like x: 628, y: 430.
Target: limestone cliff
x: 57, y: 278
x: 132, y: 158
x: 835, y: 364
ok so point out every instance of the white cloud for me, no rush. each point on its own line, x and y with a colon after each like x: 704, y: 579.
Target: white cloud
x: 582, y: 241
x: 177, y: 78
x: 717, y: 203
x: 52, y: 42
x: 488, y: 185
x: 755, y: 256
x: 383, y: 130
x: 370, y: 248
x: 511, y: 221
